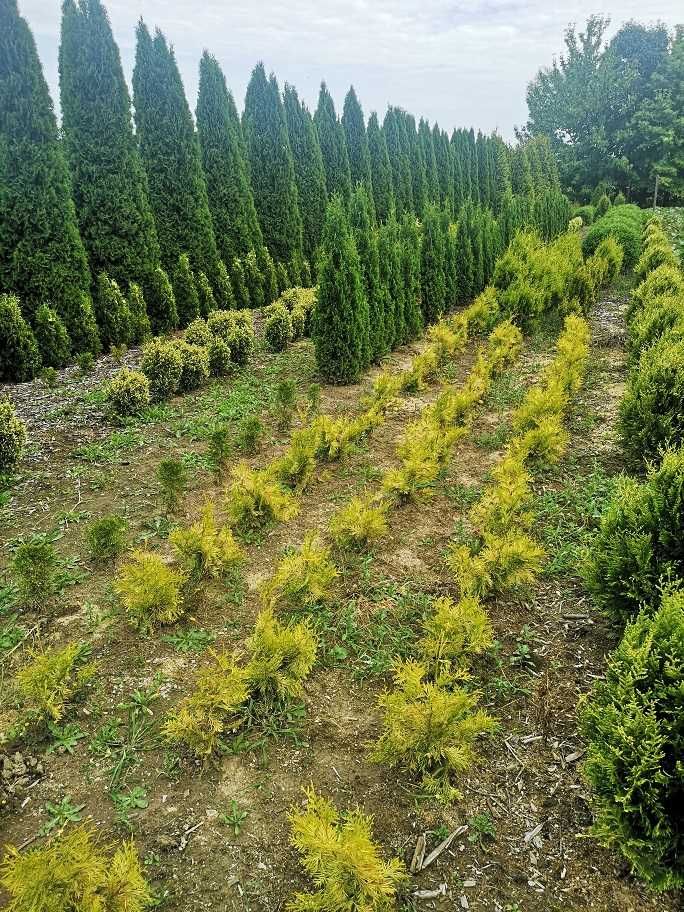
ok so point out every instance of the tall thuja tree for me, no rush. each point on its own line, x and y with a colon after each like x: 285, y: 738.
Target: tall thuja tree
x: 521, y: 173
x: 419, y: 182
x: 473, y: 167
x: 394, y: 128
x: 432, y: 265
x: 333, y: 146
x: 366, y: 240
x: 42, y: 258
x: 272, y: 167
x: 460, y: 168
x: 502, y: 172
x: 354, y: 126
x: 464, y: 254
x: 229, y: 190
x: 482, y: 168
x: 445, y: 168
x: 392, y: 280
x: 340, y: 323
x: 409, y: 239
x: 309, y: 170
x: 109, y: 182
x: 425, y: 140
x: 381, y: 169
x: 171, y: 156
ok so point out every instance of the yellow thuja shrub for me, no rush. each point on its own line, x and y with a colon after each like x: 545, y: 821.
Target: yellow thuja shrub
x: 430, y: 729
x: 444, y: 341
x: 540, y: 402
x: 256, y: 499
x: 503, y: 345
x: 503, y: 562
x: 453, y: 632
x: 572, y: 352
x: 150, y: 590
x: 303, y: 579
x: 424, y: 368
x: 424, y: 450
x: 206, y: 548
x: 502, y: 505
x: 215, y: 708
x: 296, y: 466
x: 49, y: 680
x: 359, y: 523
x: 545, y: 442
x: 71, y: 873
x: 280, y: 656
x: 338, y: 852
x: 386, y: 388
x: 484, y: 310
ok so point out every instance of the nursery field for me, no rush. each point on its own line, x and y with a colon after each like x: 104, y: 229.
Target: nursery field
x: 215, y: 833
x: 341, y: 485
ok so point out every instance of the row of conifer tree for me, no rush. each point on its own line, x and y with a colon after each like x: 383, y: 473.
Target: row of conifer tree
x: 224, y: 208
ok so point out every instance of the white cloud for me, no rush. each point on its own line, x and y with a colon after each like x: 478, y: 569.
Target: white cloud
x: 455, y: 62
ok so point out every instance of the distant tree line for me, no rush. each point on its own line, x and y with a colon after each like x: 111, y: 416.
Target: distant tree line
x: 118, y: 219
x: 614, y: 111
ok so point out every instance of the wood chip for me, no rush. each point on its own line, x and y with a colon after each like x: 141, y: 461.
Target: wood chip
x: 532, y: 833
x: 431, y: 894
x: 418, y: 855
x: 442, y: 847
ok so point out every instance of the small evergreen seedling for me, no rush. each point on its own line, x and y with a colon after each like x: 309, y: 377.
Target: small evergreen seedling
x: 85, y: 362
x: 107, y: 537
x: 341, y: 858
x: 70, y: 872
x: 34, y: 566
x: 430, y: 729
x: 49, y: 377
x: 359, y: 523
x: 150, y: 591
x: 303, y: 579
x: 49, y: 680
x: 313, y: 395
x: 206, y: 549
x: 249, y: 433
x: 215, y: 708
x: 280, y: 656
x: 255, y: 499
x: 172, y: 478
x: 284, y: 403
x: 454, y: 632
x: 219, y: 451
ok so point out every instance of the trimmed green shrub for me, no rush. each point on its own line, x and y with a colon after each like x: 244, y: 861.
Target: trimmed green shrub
x: 185, y: 291
x: 221, y: 323
x: 195, y: 366
x: 610, y: 251
x: 586, y: 213
x: 52, y: 337
x: 603, y: 205
x: 277, y: 326
x: 283, y: 277
x: 254, y: 280
x: 140, y: 322
x: 34, y: 566
x: 298, y: 321
x: 207, y: 301
x: 20, y: 359
x: 112, y: 313
x: 652, y: 408
x: 219, y: 357
x: 128, y: 393
x: 633, y: 723
x: 86, y: 362
x: 242, y: 339
x: 161, y: 302
x: 198, y: 333
x: 12, y: 436
x: 665, y: 280
x: 625, y: 224
x: 162, y: 364
x: 659, y: 317
x: 639, y: 547
x: 85, y: 336
x: 106, y: 536
x: 659, y: 253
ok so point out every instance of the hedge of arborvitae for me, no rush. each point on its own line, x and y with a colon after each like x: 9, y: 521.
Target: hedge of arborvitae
x: 240, y: 199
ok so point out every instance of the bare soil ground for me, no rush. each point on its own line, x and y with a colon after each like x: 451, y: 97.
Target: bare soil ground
x: 525, y: 806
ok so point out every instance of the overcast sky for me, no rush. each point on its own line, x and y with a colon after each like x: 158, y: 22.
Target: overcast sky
x: 459, y: 63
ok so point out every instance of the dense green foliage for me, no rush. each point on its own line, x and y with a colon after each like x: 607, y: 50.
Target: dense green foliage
x: 224, y: 159
x: 633, y: 722
x: 108, y: 179
x: 42, y: 258
x: 171, y: 155
x: 272, y: 167
x: 20, y: 355
x: 614, y: 111
x: 340, y: 328
x: 12, y: 436
x: 640, y: 544
x: 331, y: 137
x: 625, y: 224
x: 52, y: 337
